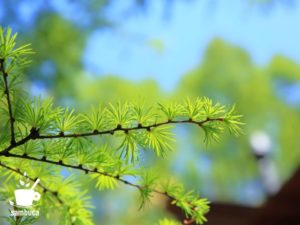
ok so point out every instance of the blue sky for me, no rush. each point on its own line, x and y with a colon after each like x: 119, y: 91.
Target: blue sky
x: 184, y: 36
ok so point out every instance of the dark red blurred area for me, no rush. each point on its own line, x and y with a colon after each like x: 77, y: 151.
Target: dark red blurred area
x: 281, y: 209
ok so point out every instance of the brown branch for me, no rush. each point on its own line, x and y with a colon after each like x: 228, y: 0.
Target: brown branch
x: 34, y: 135
x: 126, y: 130
x: 188, y: 221
x: 86, y: 170
x: 6, y: 92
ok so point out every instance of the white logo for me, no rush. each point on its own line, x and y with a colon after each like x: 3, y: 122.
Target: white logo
x: 25, y: 198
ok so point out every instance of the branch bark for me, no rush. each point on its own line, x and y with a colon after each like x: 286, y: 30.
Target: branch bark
x: 86, y: 170
x: 8, y: 99
x: 34, y: 135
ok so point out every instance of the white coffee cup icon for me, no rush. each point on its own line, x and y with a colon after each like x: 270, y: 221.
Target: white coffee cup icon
x: 25, y: 197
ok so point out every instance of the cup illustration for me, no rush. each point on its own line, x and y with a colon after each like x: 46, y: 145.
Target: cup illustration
x: 25, y: 197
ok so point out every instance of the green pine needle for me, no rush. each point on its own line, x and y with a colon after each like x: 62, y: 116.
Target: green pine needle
x: 41, y: 139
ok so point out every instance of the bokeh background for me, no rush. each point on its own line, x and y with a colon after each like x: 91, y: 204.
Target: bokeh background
x: 238, y: 52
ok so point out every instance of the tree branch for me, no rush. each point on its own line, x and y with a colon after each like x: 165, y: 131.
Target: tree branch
x: 126, y: 130
x: 188, y: 221
x: 86, y: 170
x: 6, y: 91
x: 34, y: 135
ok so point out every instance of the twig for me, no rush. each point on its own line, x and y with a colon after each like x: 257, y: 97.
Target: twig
x: 86, y: 170
x: 188, y: 221
x: 18, y: 218
x: 6, y: 91
x: 34, y: 135
x: 126, y: 130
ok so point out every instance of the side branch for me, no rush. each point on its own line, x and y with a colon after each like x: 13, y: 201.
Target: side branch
x: 34, y: 133
x: 6, y: 92
x: 86, y: 170
x: 126, y: 130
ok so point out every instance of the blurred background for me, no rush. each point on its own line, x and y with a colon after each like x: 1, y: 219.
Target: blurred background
x: 238, y: 52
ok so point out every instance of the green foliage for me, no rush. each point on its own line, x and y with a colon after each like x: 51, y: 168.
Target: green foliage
x: 21, y: 220
x: 227, y: 74
x: 94, y: 120
x: 233, y: 121
x: 147, y: 184
x: 193, y: 206
x: 171, y: 110
x: 128, y: 147
x: 143, y: 114
x: 45, y: 139
x: 39, y: 113
x: 78, y: 203
x: 193, y: 111
x: 67, y: 121
x: 119, y: 114
x: 9, y: 51
x: 160, y: 139
x: 167, y: 222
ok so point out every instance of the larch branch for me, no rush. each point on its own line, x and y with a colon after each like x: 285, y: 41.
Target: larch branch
x: 8, y: 99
